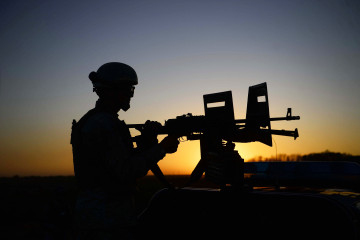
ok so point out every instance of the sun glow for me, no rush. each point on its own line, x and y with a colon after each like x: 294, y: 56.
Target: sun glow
x: 183, y: 161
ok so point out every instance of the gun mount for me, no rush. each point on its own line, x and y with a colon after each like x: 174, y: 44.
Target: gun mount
x: 218, y: 130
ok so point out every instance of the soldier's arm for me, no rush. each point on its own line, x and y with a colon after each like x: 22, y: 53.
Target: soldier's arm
x: 111, y: 150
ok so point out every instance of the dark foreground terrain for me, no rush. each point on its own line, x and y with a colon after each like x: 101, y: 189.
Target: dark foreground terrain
x: 41, y: 207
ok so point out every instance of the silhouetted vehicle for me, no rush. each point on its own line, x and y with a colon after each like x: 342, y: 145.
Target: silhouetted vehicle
x: 280, y: 200
x: 258, y: 200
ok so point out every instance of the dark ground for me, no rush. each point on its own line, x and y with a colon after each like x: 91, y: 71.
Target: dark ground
x: 41, y: 207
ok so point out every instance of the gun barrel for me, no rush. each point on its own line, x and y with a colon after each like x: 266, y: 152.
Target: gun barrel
x: 294, y: 133
x: 289, y: 118
x: 285, y: 118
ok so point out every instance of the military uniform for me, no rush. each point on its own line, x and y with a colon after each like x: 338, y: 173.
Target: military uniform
x: 106, y: 168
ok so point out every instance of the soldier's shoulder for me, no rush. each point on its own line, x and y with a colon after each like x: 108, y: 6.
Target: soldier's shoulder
x: 100, y: 121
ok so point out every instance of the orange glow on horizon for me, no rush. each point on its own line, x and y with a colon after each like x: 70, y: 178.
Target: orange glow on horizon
x: 42, y: 154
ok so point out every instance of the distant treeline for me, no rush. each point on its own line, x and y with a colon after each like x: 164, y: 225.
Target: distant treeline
x: 323, y: 156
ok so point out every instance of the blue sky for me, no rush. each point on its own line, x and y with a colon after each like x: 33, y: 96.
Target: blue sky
x: 308, y: 52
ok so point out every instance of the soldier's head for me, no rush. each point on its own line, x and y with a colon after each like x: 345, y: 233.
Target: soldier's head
x: 114, y: 83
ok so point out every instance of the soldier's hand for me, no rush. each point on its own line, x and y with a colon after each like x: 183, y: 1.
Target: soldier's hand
x: 170, y: 144
x: 151, y: 130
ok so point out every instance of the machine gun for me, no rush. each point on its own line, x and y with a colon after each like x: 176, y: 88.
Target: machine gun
x: 217, y: 131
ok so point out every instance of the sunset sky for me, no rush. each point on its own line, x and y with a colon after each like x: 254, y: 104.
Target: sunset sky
x: 308, y: 52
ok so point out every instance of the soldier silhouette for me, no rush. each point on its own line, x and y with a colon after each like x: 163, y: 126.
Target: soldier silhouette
x: 106, y: 164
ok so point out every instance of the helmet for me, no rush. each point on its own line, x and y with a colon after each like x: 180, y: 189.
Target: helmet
x: 113, y: 74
